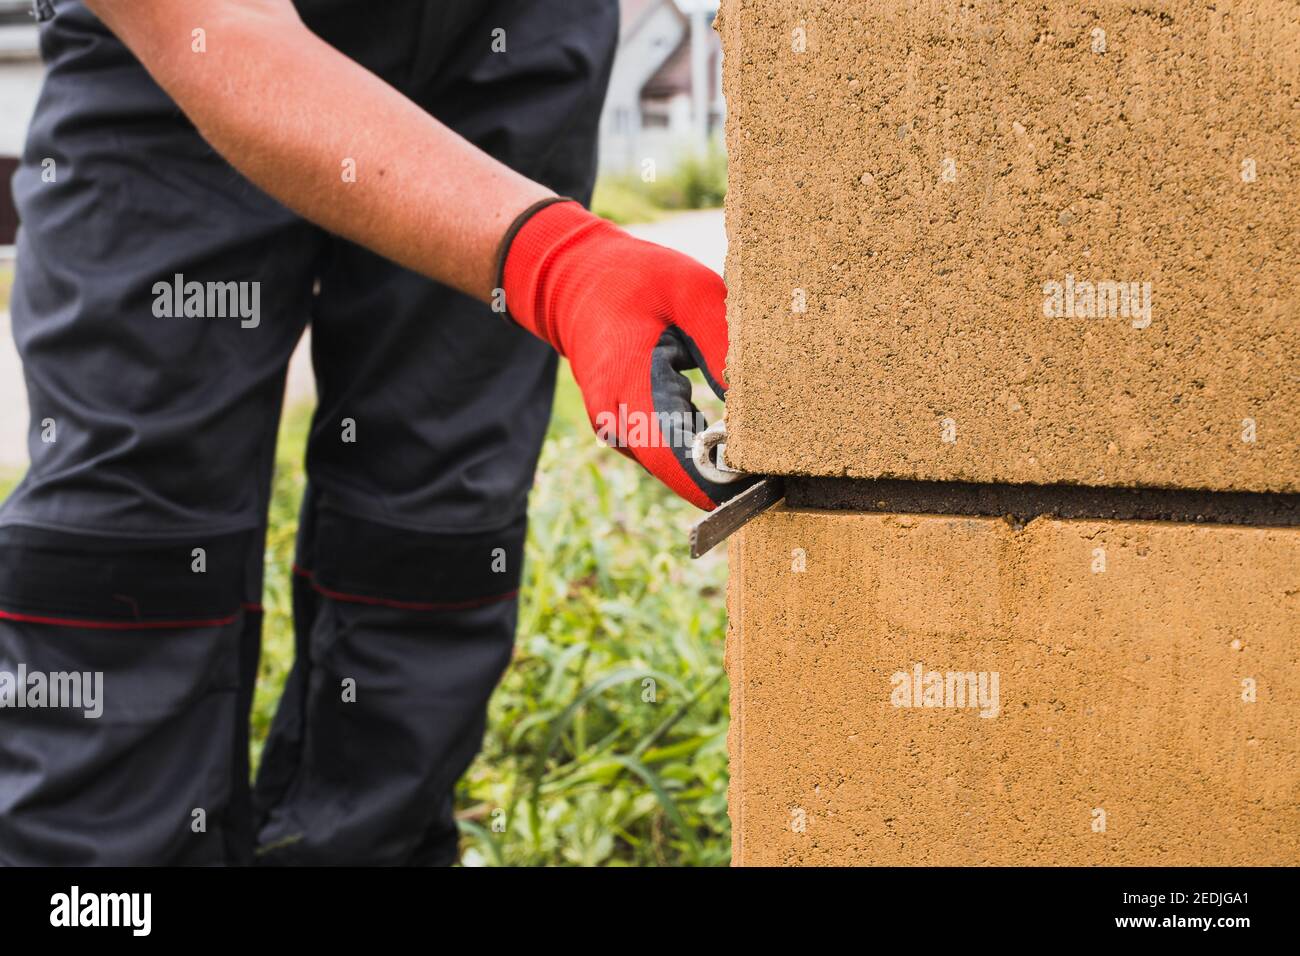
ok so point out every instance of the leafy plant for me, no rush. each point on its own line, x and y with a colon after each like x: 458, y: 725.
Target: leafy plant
x: 697, y: 180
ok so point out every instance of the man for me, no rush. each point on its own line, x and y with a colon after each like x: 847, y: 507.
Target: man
x: 203, y: 179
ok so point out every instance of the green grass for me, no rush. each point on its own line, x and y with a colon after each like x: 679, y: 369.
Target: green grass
x: 696, y: 181
x: 619, y: 200
x: 607, y: 738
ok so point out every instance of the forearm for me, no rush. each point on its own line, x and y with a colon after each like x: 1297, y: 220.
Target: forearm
x: 326, y: 137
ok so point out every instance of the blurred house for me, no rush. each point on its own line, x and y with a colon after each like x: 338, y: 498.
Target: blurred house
x: 20, y: 82
x: 665, y: 92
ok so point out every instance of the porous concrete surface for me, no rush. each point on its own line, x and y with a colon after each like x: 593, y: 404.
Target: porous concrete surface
x: 922, y: 171
x: 1121, y: 691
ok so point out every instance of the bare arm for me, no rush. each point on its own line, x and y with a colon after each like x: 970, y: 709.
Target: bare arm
x: 294, y: 115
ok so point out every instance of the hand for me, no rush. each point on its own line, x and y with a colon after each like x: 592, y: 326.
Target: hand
x: 630, y: 316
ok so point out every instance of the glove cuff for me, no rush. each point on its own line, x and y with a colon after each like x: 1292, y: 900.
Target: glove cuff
x: 528, y: 253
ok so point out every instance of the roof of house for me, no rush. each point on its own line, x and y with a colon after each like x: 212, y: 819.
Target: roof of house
x: 674, y: 74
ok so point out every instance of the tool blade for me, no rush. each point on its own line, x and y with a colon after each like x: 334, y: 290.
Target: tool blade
x: 718, y: 524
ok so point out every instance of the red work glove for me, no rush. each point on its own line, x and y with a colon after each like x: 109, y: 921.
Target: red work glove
x: 630, y: 316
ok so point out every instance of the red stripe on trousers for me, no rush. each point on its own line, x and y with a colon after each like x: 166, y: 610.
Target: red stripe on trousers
x: 400, y: 605
x: 99, y: 625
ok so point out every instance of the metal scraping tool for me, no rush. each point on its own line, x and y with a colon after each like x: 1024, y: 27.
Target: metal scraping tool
x: 709, y: 455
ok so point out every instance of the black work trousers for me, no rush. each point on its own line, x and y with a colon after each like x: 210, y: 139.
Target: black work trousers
x: 158, y: 298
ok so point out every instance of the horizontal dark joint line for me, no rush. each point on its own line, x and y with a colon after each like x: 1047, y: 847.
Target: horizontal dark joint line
x: 1025, y: 502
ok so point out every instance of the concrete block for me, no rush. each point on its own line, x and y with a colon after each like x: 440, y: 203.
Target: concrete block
x: 926, y: 197
x: 1136, y: 695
